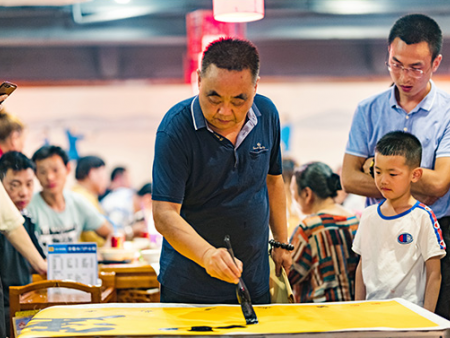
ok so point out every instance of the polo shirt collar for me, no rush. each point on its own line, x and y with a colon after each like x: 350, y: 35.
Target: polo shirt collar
x: 199, y: 121
x: 425, y: 104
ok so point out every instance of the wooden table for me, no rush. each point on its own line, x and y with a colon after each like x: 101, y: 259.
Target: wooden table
x: 133, y: 282
x: 133, y: 275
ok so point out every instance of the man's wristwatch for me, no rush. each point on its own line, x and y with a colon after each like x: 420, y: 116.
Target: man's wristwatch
x: 371, y: 168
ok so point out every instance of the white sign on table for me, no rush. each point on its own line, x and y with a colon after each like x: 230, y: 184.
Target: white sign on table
x: 73, y: 261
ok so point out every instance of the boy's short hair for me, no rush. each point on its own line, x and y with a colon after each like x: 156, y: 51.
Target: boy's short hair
x: 85, y: 164
x: 47, y: 151
x: 400, y: 143
x: 16, y: 161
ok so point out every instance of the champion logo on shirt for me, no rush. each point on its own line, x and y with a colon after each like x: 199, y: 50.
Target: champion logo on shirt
x: 405, y: 238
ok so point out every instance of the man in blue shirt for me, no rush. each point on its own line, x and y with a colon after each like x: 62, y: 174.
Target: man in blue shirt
x: 217, y: 172
x: 413, y: 104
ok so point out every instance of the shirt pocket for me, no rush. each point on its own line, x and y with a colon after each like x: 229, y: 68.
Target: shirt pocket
x: 258, y: 154
x: 257, y: 167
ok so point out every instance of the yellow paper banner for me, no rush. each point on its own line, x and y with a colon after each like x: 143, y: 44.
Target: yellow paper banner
x: 212, y: 320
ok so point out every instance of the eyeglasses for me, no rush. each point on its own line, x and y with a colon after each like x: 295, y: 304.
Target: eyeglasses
x: 397, y: 69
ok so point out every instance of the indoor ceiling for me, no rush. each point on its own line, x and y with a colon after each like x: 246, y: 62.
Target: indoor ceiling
x: 146, y: 39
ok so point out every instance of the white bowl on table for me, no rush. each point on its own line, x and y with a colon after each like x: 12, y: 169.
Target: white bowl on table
x: 116, y: 254
x: 151, y: 255
x: 141, y: 243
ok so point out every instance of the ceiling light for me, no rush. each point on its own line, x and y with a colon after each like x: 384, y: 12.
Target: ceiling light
x: 238, y: 10
x: 349, y: 7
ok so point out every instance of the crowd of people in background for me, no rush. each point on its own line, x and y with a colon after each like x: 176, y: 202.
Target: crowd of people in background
x: 58, y: 213
x: 216, y: 175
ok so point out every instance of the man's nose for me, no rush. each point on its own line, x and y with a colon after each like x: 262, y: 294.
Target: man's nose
x: 405, y: 73
x: 23, y: 191
x: 225, y: 109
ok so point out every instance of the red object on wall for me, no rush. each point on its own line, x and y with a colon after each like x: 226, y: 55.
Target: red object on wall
x: 202, y: 29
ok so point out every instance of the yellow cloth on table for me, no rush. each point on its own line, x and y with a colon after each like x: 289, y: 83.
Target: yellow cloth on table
x: 144, y: 320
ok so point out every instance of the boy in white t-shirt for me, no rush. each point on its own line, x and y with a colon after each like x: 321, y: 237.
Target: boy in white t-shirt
x: 399, y: 240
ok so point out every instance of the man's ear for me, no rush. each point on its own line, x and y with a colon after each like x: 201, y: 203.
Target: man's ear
x: 199, y: 77
x: 256, y: 84
x: 69, y: 167
x: 416, y: 175
x: 436, y: 63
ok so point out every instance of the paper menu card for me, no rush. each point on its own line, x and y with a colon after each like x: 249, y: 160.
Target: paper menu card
x: 73, y: 261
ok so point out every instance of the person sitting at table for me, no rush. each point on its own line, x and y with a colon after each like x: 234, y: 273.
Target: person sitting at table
x: 324, y: 265
x: 118, y: 203
x: 92, y: 180
x: 119, y: 178
x: 61, y: 215
x: 143, y: 224
x: 17, y: 176
x: 11, y: 133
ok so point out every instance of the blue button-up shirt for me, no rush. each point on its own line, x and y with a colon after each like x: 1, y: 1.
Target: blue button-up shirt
x: 429, y: 121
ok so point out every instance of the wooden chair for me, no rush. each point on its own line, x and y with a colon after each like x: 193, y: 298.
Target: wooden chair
x: 34, y: 296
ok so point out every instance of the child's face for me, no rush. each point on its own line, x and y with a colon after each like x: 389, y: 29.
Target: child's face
x: 393, y: 177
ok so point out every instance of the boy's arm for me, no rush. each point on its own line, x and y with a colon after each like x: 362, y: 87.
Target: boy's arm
x: 433, y: 267
x: 360, y: 288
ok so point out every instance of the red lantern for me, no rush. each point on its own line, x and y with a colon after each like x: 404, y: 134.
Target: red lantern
x: 238, y: 10
x: 202, y: 29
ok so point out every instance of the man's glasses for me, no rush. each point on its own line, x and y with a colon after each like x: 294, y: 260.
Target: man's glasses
x: 397, y: 69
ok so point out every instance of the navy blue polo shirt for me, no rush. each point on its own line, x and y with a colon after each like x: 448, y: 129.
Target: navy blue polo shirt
x: 222, y: 190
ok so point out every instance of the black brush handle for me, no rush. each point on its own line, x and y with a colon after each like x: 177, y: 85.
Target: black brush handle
x: 242, y: 293
x: 229, y: 248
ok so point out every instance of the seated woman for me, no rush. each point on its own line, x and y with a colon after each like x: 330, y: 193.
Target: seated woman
x: 324, y: 264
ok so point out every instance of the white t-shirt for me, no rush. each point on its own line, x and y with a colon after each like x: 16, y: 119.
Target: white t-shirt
x: 10, y: 217
x: 118, y: 206
x: 65, y: 226
x: 394, y: 251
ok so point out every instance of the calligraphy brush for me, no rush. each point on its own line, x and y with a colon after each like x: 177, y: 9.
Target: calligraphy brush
x: 242, y: 293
